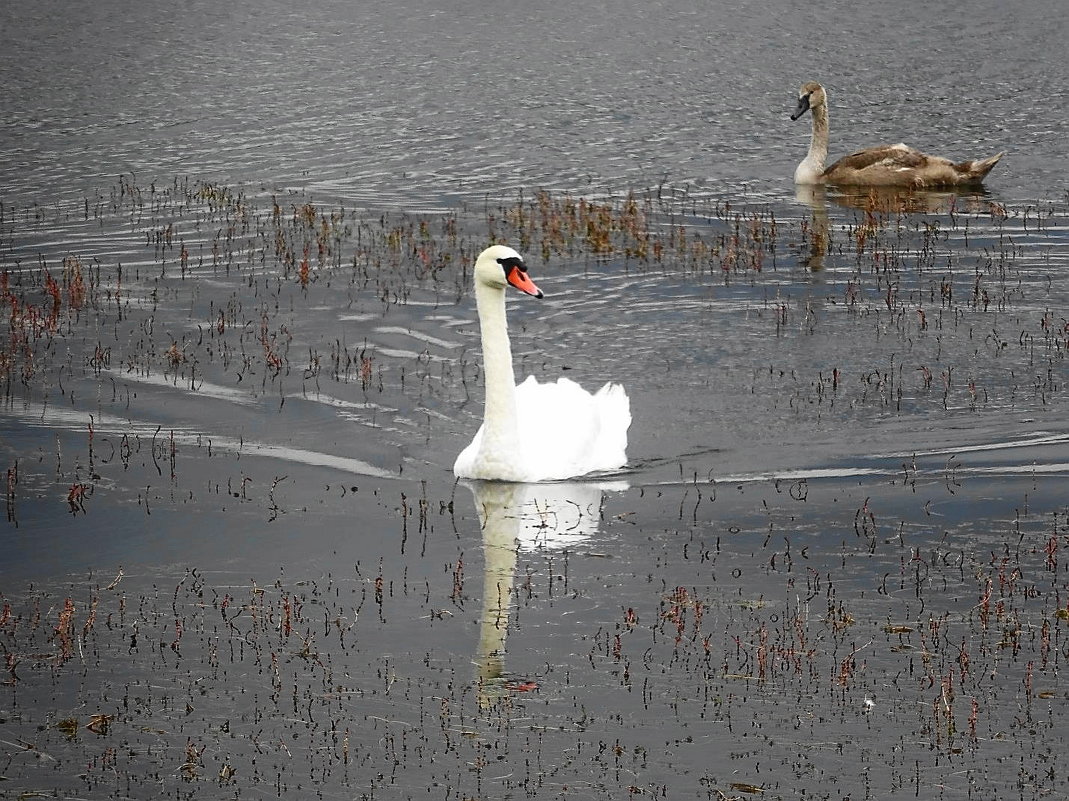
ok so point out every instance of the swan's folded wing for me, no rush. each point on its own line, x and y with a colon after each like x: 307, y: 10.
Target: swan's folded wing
x: 893, y: 157
x: 565, y: 431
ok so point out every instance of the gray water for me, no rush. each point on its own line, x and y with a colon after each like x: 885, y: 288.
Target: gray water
x: 411, y: 104
x: 834, y: 566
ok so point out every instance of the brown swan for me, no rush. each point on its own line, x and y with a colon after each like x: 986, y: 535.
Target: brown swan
x: 887, y: 165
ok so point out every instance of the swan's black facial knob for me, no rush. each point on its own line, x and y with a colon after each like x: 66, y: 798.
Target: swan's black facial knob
x: 516, y: 274
x: 510, y: 262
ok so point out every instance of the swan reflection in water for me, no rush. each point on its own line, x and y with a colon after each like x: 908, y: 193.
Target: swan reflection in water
x: 879, y: 200
x: 523, y: 517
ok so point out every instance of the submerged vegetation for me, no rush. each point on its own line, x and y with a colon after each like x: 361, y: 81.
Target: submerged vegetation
x: 788, y: 601
x: 243, y: 265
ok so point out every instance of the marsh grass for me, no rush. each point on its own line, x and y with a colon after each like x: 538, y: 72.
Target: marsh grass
x: 889, y: 623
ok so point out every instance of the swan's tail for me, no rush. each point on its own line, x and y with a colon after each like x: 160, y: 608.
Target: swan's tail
x: 977, y: 170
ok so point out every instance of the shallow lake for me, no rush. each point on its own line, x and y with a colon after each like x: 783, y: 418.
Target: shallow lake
x: 239, y: 354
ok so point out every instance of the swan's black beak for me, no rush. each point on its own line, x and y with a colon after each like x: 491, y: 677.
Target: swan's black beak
x: 803, y: 107
x: 516, y: 274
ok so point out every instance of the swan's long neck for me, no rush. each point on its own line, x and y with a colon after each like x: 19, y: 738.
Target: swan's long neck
x: 812, y: 166
x: 499, y: 417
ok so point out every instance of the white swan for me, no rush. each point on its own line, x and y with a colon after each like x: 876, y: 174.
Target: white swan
x: 887, y: 165
x: 535, y: 432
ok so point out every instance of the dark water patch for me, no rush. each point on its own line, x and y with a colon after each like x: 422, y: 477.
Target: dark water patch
x: 716, y: 651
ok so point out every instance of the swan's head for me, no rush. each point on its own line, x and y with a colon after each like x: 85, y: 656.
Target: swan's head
x: 810, y: 96
x: 499, y: 265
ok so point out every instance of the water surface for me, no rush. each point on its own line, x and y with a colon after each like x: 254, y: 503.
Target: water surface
x: 240, y: 355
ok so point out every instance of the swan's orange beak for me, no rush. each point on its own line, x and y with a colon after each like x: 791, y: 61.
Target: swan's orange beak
x: 517, y: 276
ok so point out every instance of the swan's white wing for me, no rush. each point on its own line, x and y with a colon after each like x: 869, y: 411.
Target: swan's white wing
x: 565, y: 431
